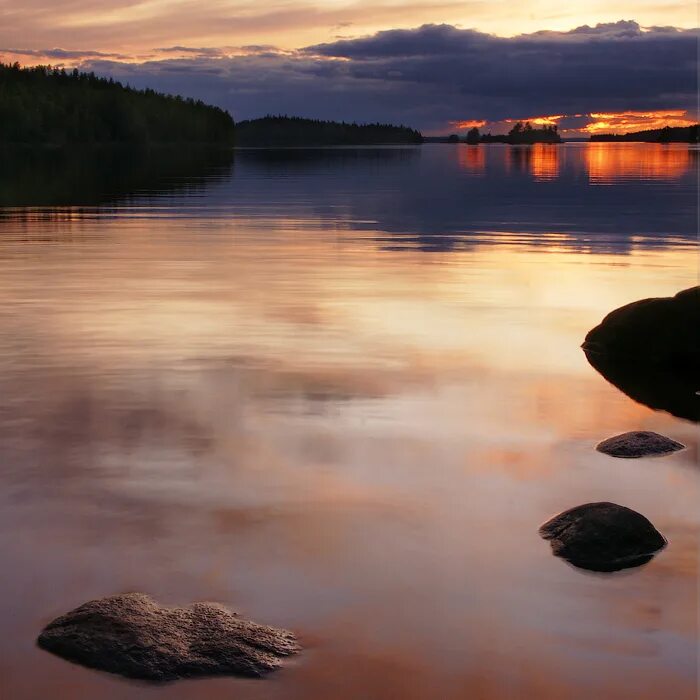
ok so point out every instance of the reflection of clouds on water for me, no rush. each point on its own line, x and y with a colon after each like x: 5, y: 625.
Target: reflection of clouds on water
x: 445, y: 196
x: 232, y: 394
x: 605, y: 197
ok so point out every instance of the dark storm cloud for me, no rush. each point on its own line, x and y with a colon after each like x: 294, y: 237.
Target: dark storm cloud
x: 435, y: 74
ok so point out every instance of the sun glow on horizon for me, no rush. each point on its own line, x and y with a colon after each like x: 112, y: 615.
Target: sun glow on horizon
x: 469, y: 124
x: 625, y: 122
x: 573, y: 125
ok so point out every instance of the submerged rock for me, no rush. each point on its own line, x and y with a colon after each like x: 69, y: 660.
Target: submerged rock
x: 133, y: 636
x: 650, y: 350
x: 603, y: 537
x: 639, y: 443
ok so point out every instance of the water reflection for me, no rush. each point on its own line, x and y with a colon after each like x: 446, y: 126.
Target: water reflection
x: 445, y: 197
x: 661, y: 388
x: 435, y: 198
x: 545, y: 161
x: 610, y: 163
x: 539, y: 160
x: 472, y: 159
x: 264, y: 392
x: 50, y: 177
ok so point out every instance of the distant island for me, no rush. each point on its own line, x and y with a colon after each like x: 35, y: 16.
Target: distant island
x: 273, y: 131
x: 669, y: 134
x: 50, y: 106
x: 519, y: 134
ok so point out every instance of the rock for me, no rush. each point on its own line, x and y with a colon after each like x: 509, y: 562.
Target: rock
x: 133, y: 636
x: 650, y: 350
x: 663, y: 329
x: 638, y: 443
x: 603, y: 537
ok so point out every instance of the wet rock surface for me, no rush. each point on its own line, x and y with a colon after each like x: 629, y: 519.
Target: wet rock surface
x: 650, y: 350
x: 639, y: 443
x: 133, y: 636
x: 603, y: 537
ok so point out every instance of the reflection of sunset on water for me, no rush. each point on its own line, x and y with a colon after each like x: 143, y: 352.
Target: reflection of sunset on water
x: 603, y: 162
x: 607, y: 162
x: 302, y: 413
x: 472, y: 158
x: 545, y: 161
x: 540, y: 160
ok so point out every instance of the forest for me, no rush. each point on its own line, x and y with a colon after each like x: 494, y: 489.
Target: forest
x: 669, y: 134
x: 50, y: 106
x: 296, y: 131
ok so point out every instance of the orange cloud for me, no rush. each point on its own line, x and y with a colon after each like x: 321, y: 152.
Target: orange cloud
x: 540, y: 121
x: 624, y: 122
x: 546, y: 121
x: 469, y: 124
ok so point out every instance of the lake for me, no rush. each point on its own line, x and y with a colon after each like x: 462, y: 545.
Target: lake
x: 339, y: 390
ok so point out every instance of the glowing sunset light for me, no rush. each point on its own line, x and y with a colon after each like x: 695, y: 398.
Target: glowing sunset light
x: 624, y: 122
x: 540, y: 121
x: 550, y: 120
x: 582, y: 125
x: 547, y: 121
x: 469, y: 124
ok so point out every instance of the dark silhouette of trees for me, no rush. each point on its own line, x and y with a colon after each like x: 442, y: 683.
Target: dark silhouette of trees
x: 528, y: 134
x: 296, y: 131
x: 45, y: 105
x: 525, y: 134
x: 669, y: 134
x: 473, y: 136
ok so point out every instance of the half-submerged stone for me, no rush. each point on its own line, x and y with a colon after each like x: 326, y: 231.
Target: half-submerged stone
x: 650, y: 349
x: 603, y: 537
x: 639, y: 443
x: 132, y: 636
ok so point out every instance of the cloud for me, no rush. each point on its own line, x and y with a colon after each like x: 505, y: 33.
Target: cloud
x: 610, y: 67
x: 435, y: 75
x: 61, y: 54
x: 201, y: 51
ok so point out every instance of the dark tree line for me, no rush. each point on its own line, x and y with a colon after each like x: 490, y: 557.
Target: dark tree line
x: 44, y: 105
x: 297, y: 131
x: 669, y: 134
x: 519, y: 134
x: 524, y: 134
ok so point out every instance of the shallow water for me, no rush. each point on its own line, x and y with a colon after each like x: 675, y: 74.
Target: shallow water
x: 339, y: 390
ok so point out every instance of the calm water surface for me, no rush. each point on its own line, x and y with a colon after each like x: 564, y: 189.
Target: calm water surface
x: 339, y: 390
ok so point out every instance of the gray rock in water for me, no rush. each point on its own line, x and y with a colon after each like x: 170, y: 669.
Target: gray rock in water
x: 639, y: 443
x: 133, y: 636
x: 603, y: 537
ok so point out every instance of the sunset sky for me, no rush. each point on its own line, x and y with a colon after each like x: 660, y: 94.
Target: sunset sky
x: 438, y: 66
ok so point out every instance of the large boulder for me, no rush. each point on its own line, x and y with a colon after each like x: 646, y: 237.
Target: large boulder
x: 603, y: 537
x: 639, y: 443
x: 133, y: 636
x: 650, y: 349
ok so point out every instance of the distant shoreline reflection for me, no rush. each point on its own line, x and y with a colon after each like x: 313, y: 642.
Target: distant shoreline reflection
x: 434, y: 198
